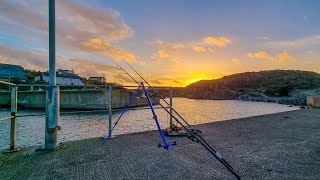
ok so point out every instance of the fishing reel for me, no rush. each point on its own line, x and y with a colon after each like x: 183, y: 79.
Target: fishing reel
x: 191, y: 137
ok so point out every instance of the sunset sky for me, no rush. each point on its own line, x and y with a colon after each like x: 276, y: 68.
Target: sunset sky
x: 170, y: 42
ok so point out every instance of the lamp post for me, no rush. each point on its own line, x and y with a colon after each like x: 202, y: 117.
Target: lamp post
x: 52, y: 96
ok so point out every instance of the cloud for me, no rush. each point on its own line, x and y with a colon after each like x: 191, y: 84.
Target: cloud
x: 217, y: 41
x: 38, y: 60
x: 163, y: 53
x: 281, y: 57
x: 26, y: 59
x: 96, y: 45
x: 124, y: 78
x: 236, y: 61
x: 296, y: 43
x: 77, y: 26
x: 263, y: 38
x: 284, y: 56
x: 199, y: 49
x: 260, y: 55
x: 211, y: 50
x: 88, y: 64
x: 156, y: 82
x: 97, y: 21
x: 160, y: 44
x: 166, y: 50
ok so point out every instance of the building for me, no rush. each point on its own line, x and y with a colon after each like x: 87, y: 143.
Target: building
x: 63, y: 77
x: 97, y: 79
x: 8, y: 71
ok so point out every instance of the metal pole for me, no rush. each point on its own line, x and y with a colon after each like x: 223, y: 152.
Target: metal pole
x: 171, y: 108
x: 52, y: 97
x: 52, y: 44
x: 110, y: 111
x: 13, y: 119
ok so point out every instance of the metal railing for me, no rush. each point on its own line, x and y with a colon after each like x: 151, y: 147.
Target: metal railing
x: 110, y: 110
x: 13, y: 109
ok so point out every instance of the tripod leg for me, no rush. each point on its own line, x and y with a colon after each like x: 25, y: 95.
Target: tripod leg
x: 165, y: 144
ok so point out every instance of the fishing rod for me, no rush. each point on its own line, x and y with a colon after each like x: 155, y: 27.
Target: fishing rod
x: 201, y: 140
x: 167, y: 104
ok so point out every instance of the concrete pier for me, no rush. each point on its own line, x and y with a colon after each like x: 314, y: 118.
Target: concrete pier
x: 278, y: 146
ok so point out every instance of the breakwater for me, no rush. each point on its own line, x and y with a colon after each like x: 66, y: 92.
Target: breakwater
x: 75, y: 99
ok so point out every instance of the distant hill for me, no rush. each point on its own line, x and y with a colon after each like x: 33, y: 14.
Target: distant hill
x: 274, y: 83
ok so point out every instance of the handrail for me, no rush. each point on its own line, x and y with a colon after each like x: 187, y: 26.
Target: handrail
x: 10, y: 84
x: 14, y: 90
x: 13, y: 109
x: 43, y: 85
x: 6, y: 118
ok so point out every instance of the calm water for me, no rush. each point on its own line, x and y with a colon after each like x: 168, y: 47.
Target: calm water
x: 30, y: 130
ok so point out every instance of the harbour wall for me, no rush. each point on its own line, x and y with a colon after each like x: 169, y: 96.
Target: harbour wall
x: 75, y: 99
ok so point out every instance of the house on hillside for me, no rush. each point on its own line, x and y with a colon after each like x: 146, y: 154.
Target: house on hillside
x: 63, y: 77
x: 98, y: 79
x: 8, y: 71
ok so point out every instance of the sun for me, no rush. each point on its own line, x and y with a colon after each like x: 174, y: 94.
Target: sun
x: 197, y: 77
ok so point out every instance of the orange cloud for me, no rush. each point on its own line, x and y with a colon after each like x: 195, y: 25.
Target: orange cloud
x: 160, y: 44
x: 163, y: 53
x: 284, y: 56
x: 260, y: 55
x: 95, y: 45
x: 218, y: 41
x: 199, y: 49
x: 166, y: 50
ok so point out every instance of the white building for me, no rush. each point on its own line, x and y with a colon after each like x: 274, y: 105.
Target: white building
x: 98, y: 79
x: 63, y: 77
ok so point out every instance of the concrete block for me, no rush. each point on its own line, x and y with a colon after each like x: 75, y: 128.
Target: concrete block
x: 313, y: 101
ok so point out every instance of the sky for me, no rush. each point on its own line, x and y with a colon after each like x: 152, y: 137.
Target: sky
x: 170, y: 42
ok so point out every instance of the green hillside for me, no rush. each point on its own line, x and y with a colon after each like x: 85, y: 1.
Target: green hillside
x: 274, y: 83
